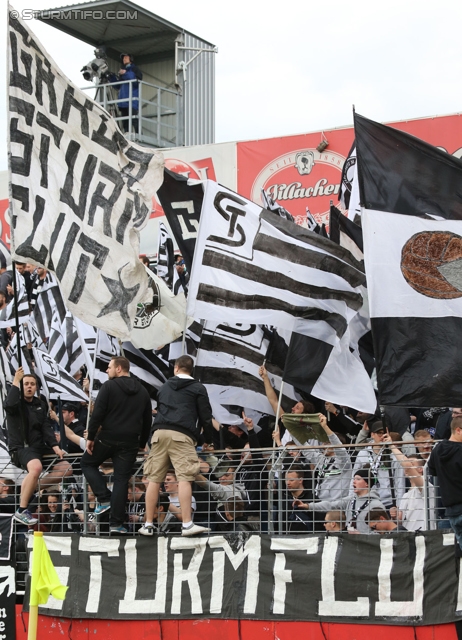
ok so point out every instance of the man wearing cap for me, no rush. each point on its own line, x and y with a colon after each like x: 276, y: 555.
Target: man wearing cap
x: 391, y: 482
x: 70, y: 411
x: 357, y: 506
x: 129, y: 71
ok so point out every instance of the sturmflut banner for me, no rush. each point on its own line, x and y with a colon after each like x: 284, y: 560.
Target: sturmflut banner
x: 400, y: 579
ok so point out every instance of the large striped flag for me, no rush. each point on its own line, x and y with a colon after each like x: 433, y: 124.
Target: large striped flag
x: 55, y: 380
x: 228, y: 361
x: 7, y: 315
x: 252, y: 266
x: 64, y: 344
x: 347, y: 234
x: 165, y: 255
x: 147, y: 366
x: 49, y: 301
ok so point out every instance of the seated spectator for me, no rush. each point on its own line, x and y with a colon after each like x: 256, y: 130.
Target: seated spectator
x: 166, y: 521
x: 171, y: 488
x: 226, y: 488
x: 334, y: 521
x: 91, y: 516
x: 136, y: 505
x: 252, y: 476
x: 357, y: 506
x: 232, y: 517
x: 296, y: 519
x: 380, y: 521
x: 7, y: 495
x: 391, y: 483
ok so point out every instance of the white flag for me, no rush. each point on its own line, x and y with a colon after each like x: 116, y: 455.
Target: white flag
x: 81, y: 191
x: 161, y: 320
x: 55, y: 380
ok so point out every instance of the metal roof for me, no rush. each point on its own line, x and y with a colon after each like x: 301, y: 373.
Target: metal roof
x: 121, y: 25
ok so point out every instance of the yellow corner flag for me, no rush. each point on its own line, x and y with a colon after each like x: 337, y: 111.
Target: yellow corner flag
x: 44, y: 581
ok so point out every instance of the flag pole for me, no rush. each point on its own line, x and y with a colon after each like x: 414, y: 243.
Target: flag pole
x: 183, y: 342
x: 278, y: 409
x: 35, y: 572
x: 18, y: 347
x: 92, y: 377
x: 16, y: 314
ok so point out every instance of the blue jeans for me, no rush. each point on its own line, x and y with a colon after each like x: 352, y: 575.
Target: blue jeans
x: 456, y: 524
x: 123, y: 458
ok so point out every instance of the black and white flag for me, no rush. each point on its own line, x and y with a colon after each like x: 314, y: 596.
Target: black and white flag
x: 147, y: 366
x: 412, y: 264
x: 399, y: 173
x: 192, y: 342
x: 182, y: 204
x: 5, y: 256
x: 347, y: 234
x: 349, y: 186
x: 55, y: 380
x: 252, y: 266
x: 64, y: 344
x: 227, y: 363
x: 7, y: 315
x: 162, y: 319
x: 107, y: 347
x: 165, y: 255
x: 48, y: 303
x: 81, y: 191
x: 414, y: 274
x: 272, y: 205
x: 12, y: 355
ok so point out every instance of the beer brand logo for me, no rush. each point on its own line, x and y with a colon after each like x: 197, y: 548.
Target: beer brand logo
x: 304, y: 162
x: 302, y: 181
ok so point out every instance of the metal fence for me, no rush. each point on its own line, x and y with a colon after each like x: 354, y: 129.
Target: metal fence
x: 269, y: 488
x: 157, y: 122
x: 262, y: 490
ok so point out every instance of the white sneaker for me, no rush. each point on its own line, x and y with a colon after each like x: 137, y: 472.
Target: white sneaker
x: 193, y: 530
x: 146, y: 530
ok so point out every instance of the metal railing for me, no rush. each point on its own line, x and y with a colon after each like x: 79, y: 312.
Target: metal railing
x: 157, y: 122
x: 258, y: 490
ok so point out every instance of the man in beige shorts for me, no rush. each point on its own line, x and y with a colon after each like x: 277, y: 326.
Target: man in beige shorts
x: 183, y: 407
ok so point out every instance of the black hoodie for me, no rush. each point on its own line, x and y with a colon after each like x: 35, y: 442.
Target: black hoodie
x: 445, y: 462
x: 181, y: 403
x: 123, y: 410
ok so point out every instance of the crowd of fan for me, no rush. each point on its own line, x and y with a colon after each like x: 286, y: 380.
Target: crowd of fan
x: 265, y: 481
x: 293, y: 487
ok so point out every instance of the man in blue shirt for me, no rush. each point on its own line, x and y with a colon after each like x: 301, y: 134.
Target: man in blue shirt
x: 129, y: 71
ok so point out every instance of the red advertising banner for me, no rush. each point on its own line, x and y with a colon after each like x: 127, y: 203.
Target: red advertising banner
x: 303, y: 179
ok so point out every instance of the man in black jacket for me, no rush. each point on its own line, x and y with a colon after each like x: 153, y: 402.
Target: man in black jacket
x: 445, y: 462
x: 119, y: 427
x: 30, y: 436
x: 181, y: 404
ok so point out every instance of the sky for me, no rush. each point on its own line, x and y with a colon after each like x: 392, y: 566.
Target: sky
x: 298, y: 66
